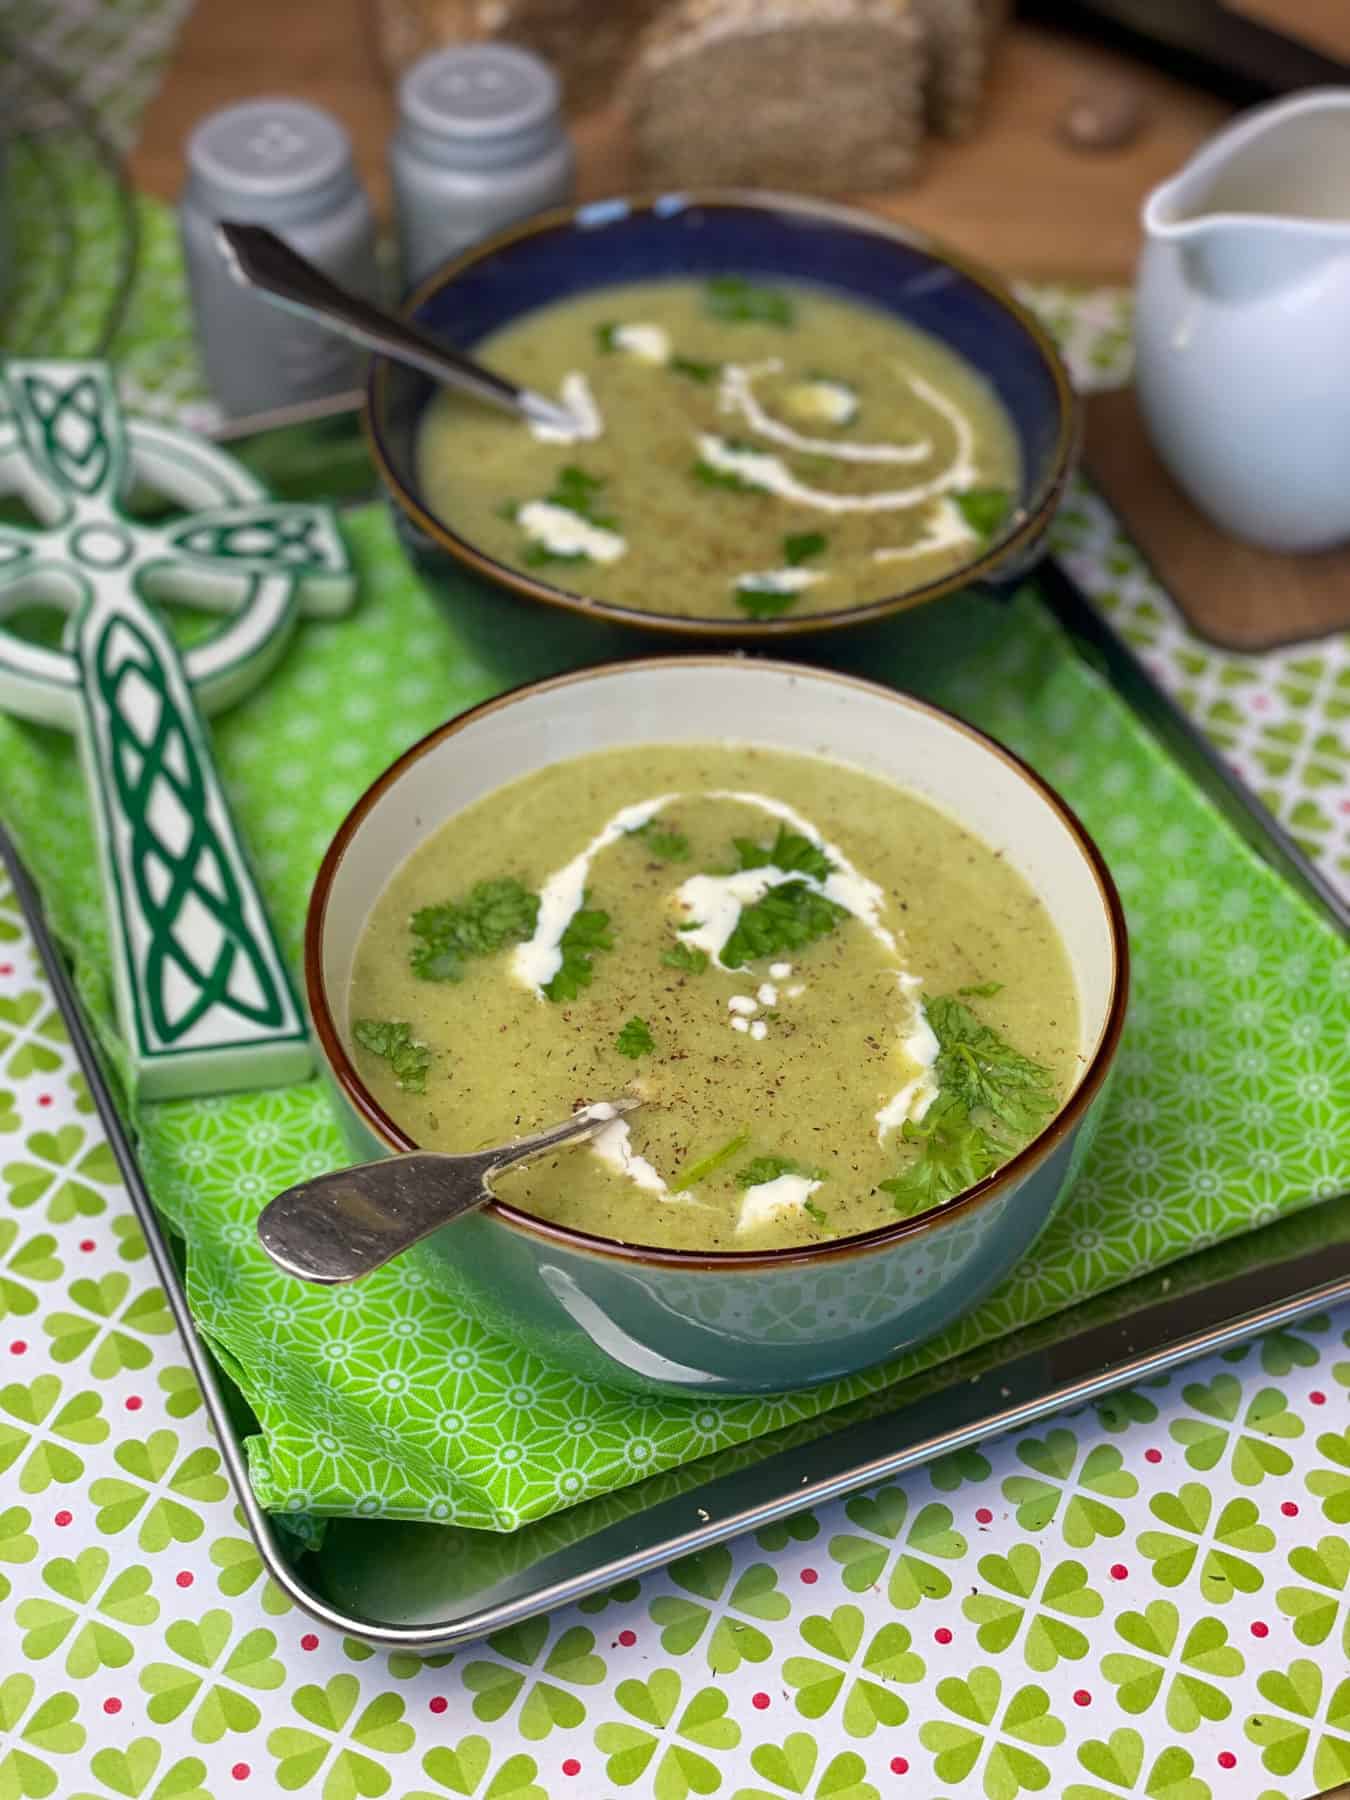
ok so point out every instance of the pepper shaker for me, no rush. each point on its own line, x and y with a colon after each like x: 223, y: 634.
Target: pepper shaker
x: 480, y: 143
x: 288, y: 165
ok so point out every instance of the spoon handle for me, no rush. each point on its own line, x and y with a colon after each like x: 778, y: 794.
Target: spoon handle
x: 260, y: 259
x: 350, y: 1223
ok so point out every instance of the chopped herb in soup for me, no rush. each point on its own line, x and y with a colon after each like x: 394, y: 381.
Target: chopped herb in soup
x: 741, y: 450
x: 837, y: 1006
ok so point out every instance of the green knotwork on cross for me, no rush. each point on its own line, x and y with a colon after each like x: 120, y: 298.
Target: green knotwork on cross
x: 204, y: 998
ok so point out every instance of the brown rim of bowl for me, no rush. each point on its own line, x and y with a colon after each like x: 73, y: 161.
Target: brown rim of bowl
x: 383, y: 1127
x: 1023, y: 529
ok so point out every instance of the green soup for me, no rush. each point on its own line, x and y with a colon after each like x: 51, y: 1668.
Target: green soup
x: 742, y: 452
x: 837, y: 1006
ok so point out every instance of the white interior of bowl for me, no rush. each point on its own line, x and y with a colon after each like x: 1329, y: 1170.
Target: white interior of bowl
x: 693, y: 700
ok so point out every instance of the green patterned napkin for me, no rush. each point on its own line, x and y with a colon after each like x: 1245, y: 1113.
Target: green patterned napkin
x: 380, y: 1399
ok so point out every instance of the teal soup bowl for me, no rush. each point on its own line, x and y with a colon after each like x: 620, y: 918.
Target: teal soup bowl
x: 731, y: 1322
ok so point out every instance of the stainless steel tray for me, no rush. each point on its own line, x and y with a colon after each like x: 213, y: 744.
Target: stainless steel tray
x: 429, y: 1588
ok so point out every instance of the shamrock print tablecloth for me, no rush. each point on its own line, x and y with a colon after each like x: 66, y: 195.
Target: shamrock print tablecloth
x: 1149, y: 1600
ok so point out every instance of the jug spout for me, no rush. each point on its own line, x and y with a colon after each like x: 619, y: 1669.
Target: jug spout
x: 1236, y: 259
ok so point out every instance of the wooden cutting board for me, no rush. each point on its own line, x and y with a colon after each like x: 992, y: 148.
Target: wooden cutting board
x: 1238, y: 597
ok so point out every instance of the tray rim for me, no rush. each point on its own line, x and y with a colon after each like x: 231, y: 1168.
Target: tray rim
x: 1274, y: 1305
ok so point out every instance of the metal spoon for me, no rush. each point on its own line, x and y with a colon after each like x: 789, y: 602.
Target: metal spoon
x: 347, y: 1224
x: 259, y: 259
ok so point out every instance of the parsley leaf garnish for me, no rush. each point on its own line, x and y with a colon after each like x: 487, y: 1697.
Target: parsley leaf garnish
x: 769, y: 1168
x: 635, y: 1039
x: 740, y: 302
x: 578, y: 492
x: 985, y: 990
x: 686, y: 958
x: 956, y: 1153
x: 536, y: 555
x: 800, y: 546
x: 587, y: 931
x: 786, y: 918
x: 392, y: 1040
x: 815, y: 1212
x: 700, y: 1171
x: 789, y: 851
x: 711, y: 476
x: 693, y: 370
x: 493, y: 914
x: 978, y: 1068
x: 984, y: 509
x: 670, y: 846
x: 764, y: 602
x: 607, y: 336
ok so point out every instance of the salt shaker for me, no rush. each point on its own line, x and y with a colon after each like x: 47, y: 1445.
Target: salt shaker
x: 480, y: 143
x: 288, y: 165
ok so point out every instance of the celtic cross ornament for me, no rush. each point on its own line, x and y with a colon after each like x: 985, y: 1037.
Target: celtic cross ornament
x: 204, y: 999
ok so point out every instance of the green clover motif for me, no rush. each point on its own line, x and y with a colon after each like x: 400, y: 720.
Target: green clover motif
x: 403, y: 1665
x: 381, y: 1729
x: 34, y: 1259
x: 544, y: 1704
x: 240, y: 1566
x: 1154, y: 1633
x: 1285, y: 1733
x: 105, y: 1324
x: 16, y: 1543
x: 79, y: 1087
x: 1008, y: 1769
x: 798, y: 1528
x: 914, y: 1576
x: 1119, y: 1760
x: 62, y: 1168
x: 1117, y: 1412
x: 50, y: 1729
x: 1315, y: 1610
x: 869, y: 1700
x: 967, y: 1464
x: 131, y: 1244
x: 619, y: 1595
x: 42, y: 1436
x: 1000, y: 1616
x: 1223, y: 1571
x: 9, y: 1113
x: 791, y: 1764
x: 1284, y: 1351
x: 459, y: 1768
x: 29, y: 1026
x: 1208, y: 1438
x: 630, y: 1749
x: 155, y: 1480
x: 128, y: 1774
x: 1059, y: 1480
x: 182, y: 1395
x: 11, y: 930
x: 210, y: 1674
x: 95, y: 1608
x: 733, y: 1639
x: 1332, y: 1486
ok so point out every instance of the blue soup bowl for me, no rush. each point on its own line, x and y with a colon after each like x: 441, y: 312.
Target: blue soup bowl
x: 578, y: 250
x: 730, y: 1321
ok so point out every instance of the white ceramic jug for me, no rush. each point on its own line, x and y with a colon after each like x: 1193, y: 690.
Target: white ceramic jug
x: 1243, y: 324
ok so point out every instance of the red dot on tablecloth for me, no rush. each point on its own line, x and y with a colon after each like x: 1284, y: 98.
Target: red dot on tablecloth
x: 183, y: 1578
x: 899, y: 1766
x: 1227, y: 1760
x: 44, y: 1099
x: 134, y: 1403
x: 1082, y: 1698
x: 6, y: 968
x: 1153, y: 1456
x: 983, y: 1516
x: 112, y: 1705
x: 18, y: 1347
x: 628, y: 1639
x: 1118, y: 1571
x: 241, y: 1771
x: 571, y: 1766
x: 942, y: 1635
x: 809, y: 1576
x: 63, y: 1517
x: 1260, y: 1629
x: 439, y: 1703
x: 87, y: 1244
x: 1289, y: 1508
x: 309, y: 1641
x: 1317, y: 1398
x: 759, y: 1701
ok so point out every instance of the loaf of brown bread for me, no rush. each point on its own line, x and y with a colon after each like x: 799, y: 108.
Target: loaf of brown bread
x: 824, y: 95
x: 959, y: 36
x: 588, y: 42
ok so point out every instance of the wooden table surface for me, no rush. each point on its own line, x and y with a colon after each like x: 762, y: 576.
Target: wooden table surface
x: 1013, y: 195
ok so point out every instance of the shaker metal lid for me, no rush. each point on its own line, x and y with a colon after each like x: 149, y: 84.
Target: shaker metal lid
x: 476, y: 91
x: 268, y: 149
